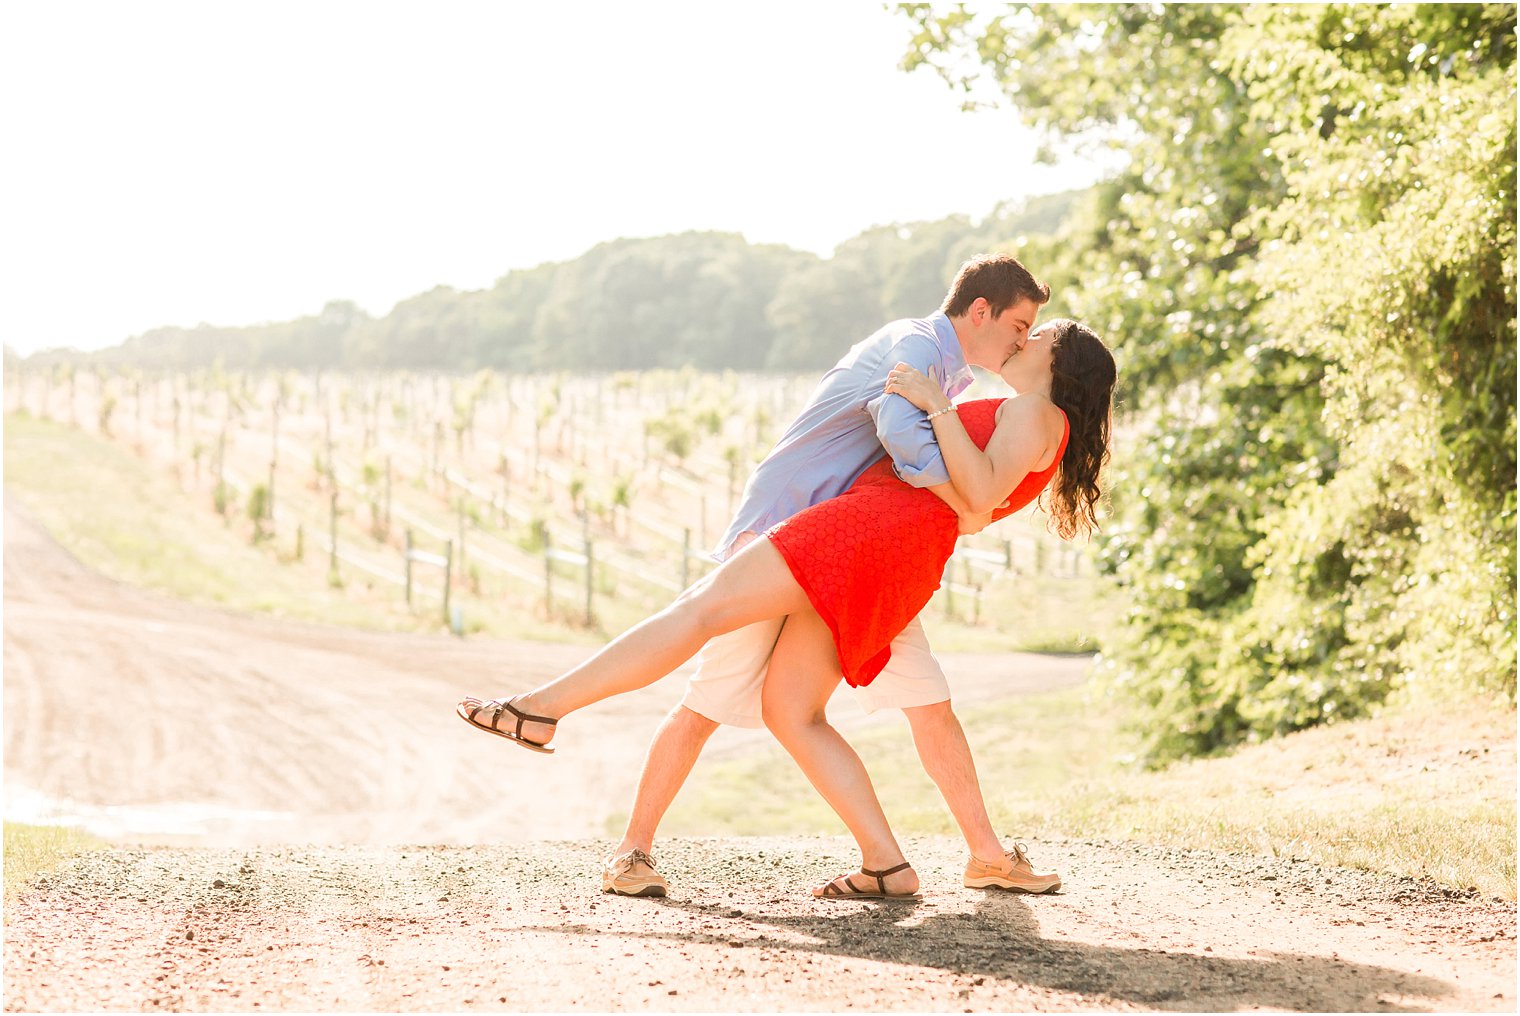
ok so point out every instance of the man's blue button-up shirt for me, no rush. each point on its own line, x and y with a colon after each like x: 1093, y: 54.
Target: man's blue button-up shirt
x: 849, y: 421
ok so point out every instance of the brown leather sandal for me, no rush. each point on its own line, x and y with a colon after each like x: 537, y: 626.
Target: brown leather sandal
x: 497, y: 707
x: 854, y: 892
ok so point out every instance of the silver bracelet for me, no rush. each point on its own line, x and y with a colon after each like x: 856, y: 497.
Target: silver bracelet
x: 941, y: 412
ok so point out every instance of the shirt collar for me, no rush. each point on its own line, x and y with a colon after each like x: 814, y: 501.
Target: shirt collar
x: 957, y: 372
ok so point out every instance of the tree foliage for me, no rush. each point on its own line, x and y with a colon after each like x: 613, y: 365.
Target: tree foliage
x: 1307, y: 266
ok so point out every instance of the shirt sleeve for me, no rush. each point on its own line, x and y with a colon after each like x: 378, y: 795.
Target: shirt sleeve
x: 903, y: 429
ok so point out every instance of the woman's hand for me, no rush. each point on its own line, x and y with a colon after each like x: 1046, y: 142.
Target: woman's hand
x: 911, y: 384
x: 972, y: 523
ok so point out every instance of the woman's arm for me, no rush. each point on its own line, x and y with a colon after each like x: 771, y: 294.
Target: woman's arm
x: 983, y: 479
x: 970, y: 521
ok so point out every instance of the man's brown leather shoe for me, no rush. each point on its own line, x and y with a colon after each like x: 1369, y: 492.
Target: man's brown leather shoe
x: 1011, y: 871
x: 633, y: 874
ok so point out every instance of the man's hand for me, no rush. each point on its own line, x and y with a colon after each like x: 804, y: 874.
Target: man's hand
x: 913, y: 385
x: 971, y: 524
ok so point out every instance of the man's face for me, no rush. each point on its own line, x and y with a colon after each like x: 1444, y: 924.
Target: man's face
x: 1031, y: 366
x: 1000, y: 337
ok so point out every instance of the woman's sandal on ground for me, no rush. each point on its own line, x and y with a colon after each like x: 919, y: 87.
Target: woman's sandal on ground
x: 831, y: 891
x: 475, y: 706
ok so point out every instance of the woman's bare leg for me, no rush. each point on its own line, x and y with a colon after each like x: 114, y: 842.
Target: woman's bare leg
x: 803, y: 673
x: 753, y: 585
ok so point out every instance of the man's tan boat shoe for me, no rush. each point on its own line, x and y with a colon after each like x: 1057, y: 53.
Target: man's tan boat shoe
x: 633, y: 874
x: 1011, y: 871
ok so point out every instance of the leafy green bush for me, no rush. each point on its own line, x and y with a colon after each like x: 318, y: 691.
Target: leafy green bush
x: 1306, y: 264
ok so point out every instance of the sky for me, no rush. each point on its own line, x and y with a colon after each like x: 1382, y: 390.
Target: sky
x: 179, y: 163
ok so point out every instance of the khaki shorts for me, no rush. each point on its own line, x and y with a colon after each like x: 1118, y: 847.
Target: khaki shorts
x: 731, y: 671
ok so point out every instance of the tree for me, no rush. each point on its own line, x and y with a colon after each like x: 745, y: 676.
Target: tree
x: 819, y: 313
x: 708, y: 300
x: 1306, y: 265
x: 1398, y: 143
x: 694, y: 298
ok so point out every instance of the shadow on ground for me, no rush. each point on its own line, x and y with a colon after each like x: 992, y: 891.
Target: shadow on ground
x: 1001, y: 939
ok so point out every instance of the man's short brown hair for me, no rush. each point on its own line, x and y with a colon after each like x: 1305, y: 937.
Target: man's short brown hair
x: 997, y: 277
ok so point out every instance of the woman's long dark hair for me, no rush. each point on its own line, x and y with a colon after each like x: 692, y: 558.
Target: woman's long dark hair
x: 1082, y: 384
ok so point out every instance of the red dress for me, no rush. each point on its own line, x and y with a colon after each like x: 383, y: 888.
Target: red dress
x: 870, y: 558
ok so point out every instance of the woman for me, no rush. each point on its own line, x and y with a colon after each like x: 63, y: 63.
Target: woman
x: 850, y: 573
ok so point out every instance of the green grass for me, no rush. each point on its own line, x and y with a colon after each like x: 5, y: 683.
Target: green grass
x: 1031, y: 614
x: 1040, y: 743
x: 1412, y: 793
x: 130, y: 520
x: 127, y: 519
x: 32, y: 850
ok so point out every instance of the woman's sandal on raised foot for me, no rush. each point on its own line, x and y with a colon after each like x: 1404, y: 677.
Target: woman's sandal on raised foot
x: 497, y: 706
x: 831, y: 891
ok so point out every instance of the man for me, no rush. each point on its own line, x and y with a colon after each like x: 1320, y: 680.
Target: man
x: 986, y: 318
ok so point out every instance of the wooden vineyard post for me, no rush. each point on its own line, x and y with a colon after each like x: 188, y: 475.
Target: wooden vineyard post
x: 589, y: 559
x: 434, y: 480
x: 221, y: 450
x: 976, y: 592
x: 332, y: 480
x: 459, y: 504
x: 332, y: 536
x: 407, y: 558
x: 387, y: 493
x: 444, y: 561
x: 274, y: 453
x: 548, y: 576
x: 570, y: 557
x: 448, y: 577
x: 506, y: 485
x: 538, y: 428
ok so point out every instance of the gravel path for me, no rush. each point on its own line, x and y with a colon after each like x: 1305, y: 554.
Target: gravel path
x: 522, y: 928
x: 217, y: 740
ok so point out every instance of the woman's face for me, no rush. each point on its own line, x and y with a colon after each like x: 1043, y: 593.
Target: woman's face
x: 1030, y: 368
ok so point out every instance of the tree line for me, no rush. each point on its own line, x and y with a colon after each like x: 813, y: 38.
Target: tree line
x: 1307, y: 268
x: 700, y: 299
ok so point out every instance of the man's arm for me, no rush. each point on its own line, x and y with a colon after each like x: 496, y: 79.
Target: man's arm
x: 902, y: 428
x: 983, y: 477
x: 908, y: 436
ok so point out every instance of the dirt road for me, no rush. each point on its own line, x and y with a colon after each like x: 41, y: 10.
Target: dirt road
x: 223, y: 740
x: 156, y: 719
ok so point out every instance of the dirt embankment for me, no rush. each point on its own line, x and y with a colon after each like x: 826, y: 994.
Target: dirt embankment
x: 182, y: 725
